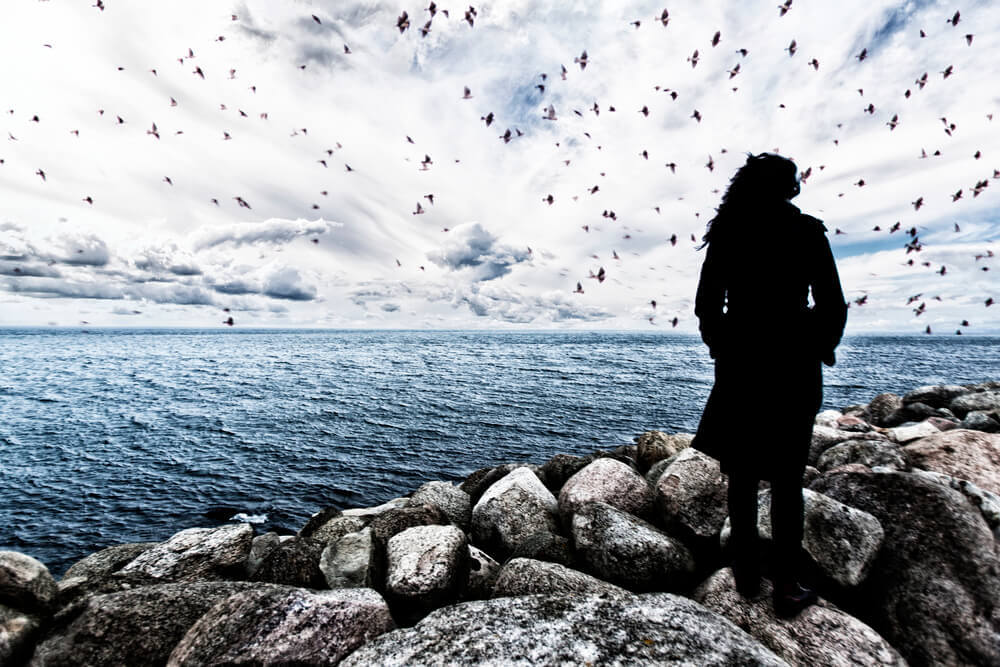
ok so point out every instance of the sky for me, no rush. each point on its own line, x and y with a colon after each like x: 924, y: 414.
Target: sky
x: 265, y: 160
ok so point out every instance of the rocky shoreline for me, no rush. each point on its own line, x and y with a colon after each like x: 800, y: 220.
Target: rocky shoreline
x: 618, y: 557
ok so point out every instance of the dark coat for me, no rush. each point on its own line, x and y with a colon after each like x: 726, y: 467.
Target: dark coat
x: 767, y: 342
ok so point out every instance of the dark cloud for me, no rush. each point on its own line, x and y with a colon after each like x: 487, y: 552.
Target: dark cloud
x: 269, y: 231
x: 84, y: 250
x: 472, y: 247
x: 8, y: 268
x: 390, y: 307
x: 288, y: 284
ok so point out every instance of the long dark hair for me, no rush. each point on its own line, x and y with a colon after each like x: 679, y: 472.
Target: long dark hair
x: 765, y: 180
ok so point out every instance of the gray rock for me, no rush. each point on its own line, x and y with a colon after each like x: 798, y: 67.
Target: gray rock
x: 482, y: 575
x: 653, y: 446
x: 318, y: 520
x: 372, y: 512
x: 25, y: 582
x: 260, y: 547
x: 607, y: 481
x: 426, y: 566
x: 911, y: 431
x: 395, y: 521
x: 546, y: 546
x: 339, y: 526
x: 284, y: 626
x: 691, y: 495
x: 824, y: 437
x: 560, y: 468
x: 841, y: 540
x: 985, y: 502
x: 985, y: 401
x: 455, y: 503
x: 628, y: 451
x: 134, y: 627
x: 195, y: 554
x: 510, y: 511
x: 977, y: 420
x: 571, y: 630
x: 526, y: 576
x: 883, y: 405
x: 853, y: 424
x: 625, y: 550
x: 656, y: 470
x: 827, y: 418
x: 936, y: 396
x: 293, y: 562
x: 866, y: 452
x: 107, y: 561
x: 934, y: 589
x: 820, y: 635
x: 17, y: 634
x: 961, y: 453
x: 351, y: 561
x: 476, y: 484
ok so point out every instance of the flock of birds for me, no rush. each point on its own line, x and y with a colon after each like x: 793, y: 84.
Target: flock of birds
x: 912, y: 245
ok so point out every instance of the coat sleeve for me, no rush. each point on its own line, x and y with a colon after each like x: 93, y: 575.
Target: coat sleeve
x: 710, y: 299
x: 828, y: 296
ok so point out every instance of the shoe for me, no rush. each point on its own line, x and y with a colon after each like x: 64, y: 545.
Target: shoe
x: 789, y: 600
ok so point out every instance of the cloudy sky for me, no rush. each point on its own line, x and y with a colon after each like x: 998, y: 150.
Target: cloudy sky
x: 269, y: 158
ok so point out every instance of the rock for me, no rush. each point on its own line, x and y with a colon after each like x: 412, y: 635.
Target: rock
x: 936, y: 396
x: 856, y: 410
x: 608, y: 481
x: 476, y: 484
x: 284, y: 626
x: 976, y: 420
x: 625, y: 550
x: 546, y: 546
x: 653, y: 446
x: 107, y: 561
x: 454, y: 502
x: 934, y: 589
x: 560, y: 468
x: 866, y: 452
x: 351, y: 561
x: 134, y: 627
x: 961, y: 453
x: 568, y: 629
x: 318, y: 520
x: 985, y: 502
x: 17, y: 633
x: 628, y: 451
x: 942, y: 424
x: 841, y: 540
x: 904, y: 434
x: 371, y: 512
x: 260, y: 547
x: 511, y: 510
x: 339, y: 526
x: 824, y: 437
x: 394, y: 521
x: 820, y: 635
x: 917, y: 412
x: 195, y: 554
x: 853, y: 424
x: 293, y: 562
x: 25, y: 582
x: 691, y: 495
x: 482, y: 576
x: 883, y: 405
x: 426, y: 566
x: 526, y: 576
x: 827, y: 418
x: 985, y: 401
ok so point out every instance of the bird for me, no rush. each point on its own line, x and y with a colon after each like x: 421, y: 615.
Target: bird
x: 488, y: 118
x: 316, y: 19
x: 467, y: 94
x: 664, y: 18
x: 549, y: 200
x: 696, y: 115
x: 968, y: 39
x: 229, y: 321
x: 947, y: 71
x: 41, y: 172
x: 954, y: 19
x: 197, y: 70
x: 579, y: 288
x: 167, y: 180
x: 784, y: 7
x: 861, y: 56
x: 581, y: 60
x: 716, y: 38
x: 89, y: 200
x: 894, y: 122
x: 403, y: 22
x: 791, y: 48
x: 693, y: 59
x: 242, y: 202
x: 420, y: 209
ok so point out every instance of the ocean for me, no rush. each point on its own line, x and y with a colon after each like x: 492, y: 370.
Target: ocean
x: 130, y: 435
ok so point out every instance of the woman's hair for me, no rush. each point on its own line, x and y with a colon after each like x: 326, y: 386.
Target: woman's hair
x: 765, y: 180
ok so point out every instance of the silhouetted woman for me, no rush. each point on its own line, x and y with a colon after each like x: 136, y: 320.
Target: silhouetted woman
x: 764, y: 261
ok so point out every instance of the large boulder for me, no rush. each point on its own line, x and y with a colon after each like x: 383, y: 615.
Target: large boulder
x: 985, y: 401
x: 17, y: 633
x: 934, y: 589
x: 426, y: 565
x: 336, y: 528
x: 961, y: 453
x: 25, y: 582
x: 909, y: 432
x: 824, y: 437
x: 560, y: 468
x: 453, y: 501
x: 260, y: 547
x: 372, y: 512
x: 547, y: 546
x: 608, y: 481
x: 140, y: 626
x: 526, y: 576
x: 978, y: 420
x: 511, y: 510
x: 985, y: 502
x: 653, y: 446
x: 568, y: 629
x: 481, y: 577
x: 820, y: 635
x: 936, y: 396
x: 841, y: 540
x: 107, y: 561
x: 869, y: 453
x: 395, y: 521
x: 352, y: 561
x: 623, y: 549
x: 294, y: 562
x: 476, y: 483
x: 691, y: 495
x: 881, y: 407
x: 195, y: 554
x: 284, y: 626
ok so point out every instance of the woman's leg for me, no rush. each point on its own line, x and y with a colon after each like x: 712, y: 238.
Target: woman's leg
x: 743, y: 538
x: 786, y: 525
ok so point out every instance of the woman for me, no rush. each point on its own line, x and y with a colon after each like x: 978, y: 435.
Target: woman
x: 765, y: 258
